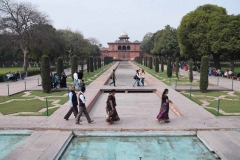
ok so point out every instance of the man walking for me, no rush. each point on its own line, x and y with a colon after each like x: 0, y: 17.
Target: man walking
x: 73, y: 103
x: 113, y: 78
x: 82, y: 107
x: 75, y: 78
x: 80, y: 76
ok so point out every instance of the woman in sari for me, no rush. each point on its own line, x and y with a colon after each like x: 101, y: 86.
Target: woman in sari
x: 111, y: 108
x: 163, y: 114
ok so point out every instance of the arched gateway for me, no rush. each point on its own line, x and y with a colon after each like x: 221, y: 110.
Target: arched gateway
x: 121, y: 49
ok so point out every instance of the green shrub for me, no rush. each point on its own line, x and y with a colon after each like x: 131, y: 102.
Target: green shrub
x: 91, y: 64
x: 156, y: 65
x: 146, y: 61
x: 150, y: 65
x: 59, y: 66
x: 169, y: 67
x: 191, y: 70
x: 204, y: 74
x: 177, y: 67
x: 45, y: 64
x: 162, y: 65
x: 95, y: 63
x: 99, y: 62
x: 74, y: 66
x: 88, y: 64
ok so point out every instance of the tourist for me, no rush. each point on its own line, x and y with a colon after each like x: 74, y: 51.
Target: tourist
x: 226, y: 73
x: 111, y: 108
x: 11, y: 77
x: 82, y: 84
x: 63, y: 82
x: 80, y: 76
x: 73, y: 103
x: 18, y: 75
x: 163, y: 114
x: 230, y: 73
x: 113, y: 77
x: 55, y: 80
x: 137, y: 78
x: 82, y: 107
x: 75, y: 78
x: 143, y: 77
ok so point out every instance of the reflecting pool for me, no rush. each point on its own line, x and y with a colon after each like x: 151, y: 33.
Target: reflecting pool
x: 136, y: 148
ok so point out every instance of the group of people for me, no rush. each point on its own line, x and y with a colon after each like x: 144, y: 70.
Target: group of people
x: 13, y: 77
x: 55, y: 80
x: 78, y: 79
x: 139, y: 77
x: 77, y: 105
x: 228, y: 73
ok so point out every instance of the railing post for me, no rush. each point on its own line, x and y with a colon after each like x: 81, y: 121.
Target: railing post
x: 176, y: 84
x: 191, y: 92
x: 8, y: 89
x: 218, y: 81
x: 38, y: 81
x: 232, y: 84
x: 218, y: 106
x: 25, y: 85
x: 47, y: 106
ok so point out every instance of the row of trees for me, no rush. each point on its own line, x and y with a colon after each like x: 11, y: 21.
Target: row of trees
x: 26, y: 33
x: 208, y: 30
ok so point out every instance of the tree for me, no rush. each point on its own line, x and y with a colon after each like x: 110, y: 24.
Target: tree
x: 94, y: 41
x: 166, y: 43
x: 156, y: 65
x: 193, y: 32
x: 99, y: 63
x: 162, y: 65
x: 45, y: 74
x: 88, y: 64
x: 191, y: 70
x: 177, y: 67
x: 74, y: 66
x: 75, y: 43
x: 204, y: 74
x: 224, y: 37
x: 169, y: 67
x: 59, y: 66
x: 145, y: 45
x: 21, y: 21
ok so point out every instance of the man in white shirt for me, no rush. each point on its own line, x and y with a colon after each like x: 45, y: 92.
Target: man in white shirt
x: 75, y: 77
x: 82, y: 107
x: 73, y: 103
x: 230, y: 73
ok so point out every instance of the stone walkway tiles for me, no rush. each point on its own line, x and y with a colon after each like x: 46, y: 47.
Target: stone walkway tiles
x: 43, y: 145
x: 226, y: 144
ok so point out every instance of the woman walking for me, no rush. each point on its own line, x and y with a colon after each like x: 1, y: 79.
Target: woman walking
x: 163, y: 114
x: 143, y: 77
x: 111, y: 108
x: 137, y: 78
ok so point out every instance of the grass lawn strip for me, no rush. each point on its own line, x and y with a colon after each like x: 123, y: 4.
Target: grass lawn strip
x: 229, y: 101
x: 32, y: 103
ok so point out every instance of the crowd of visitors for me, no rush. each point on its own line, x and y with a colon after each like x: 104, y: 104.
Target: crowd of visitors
x: 57, y: 81
x: 13, y: 77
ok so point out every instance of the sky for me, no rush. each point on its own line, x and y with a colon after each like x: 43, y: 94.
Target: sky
x: 105, y: 20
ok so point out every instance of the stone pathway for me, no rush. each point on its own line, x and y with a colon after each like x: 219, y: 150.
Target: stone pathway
x: 137, y: 107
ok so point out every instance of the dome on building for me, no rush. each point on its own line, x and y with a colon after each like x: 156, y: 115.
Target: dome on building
x: 123, y: 34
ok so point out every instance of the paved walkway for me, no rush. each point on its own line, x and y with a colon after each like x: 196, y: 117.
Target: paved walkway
x: 137, y: 108
x: 220, y: 81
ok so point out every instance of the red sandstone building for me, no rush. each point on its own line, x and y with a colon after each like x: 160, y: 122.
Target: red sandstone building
x: 122, y: 49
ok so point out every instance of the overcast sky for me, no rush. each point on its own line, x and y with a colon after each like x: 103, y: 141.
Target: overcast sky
x: 106, y: 19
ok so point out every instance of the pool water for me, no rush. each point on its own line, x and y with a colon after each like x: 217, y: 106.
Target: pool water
x: 136, y: 148
x: 9, y: 142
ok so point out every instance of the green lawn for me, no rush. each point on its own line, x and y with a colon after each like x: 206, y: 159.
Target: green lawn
x: 50, y: 111
x: 183, y: 81
x: 228, y: 103
x: 91, y: 76
x: 13, y: 70
x: 214, y: 112
x: 22, y: 104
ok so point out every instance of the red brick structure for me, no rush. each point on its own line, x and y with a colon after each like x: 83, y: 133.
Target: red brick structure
x: 122, y: 49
